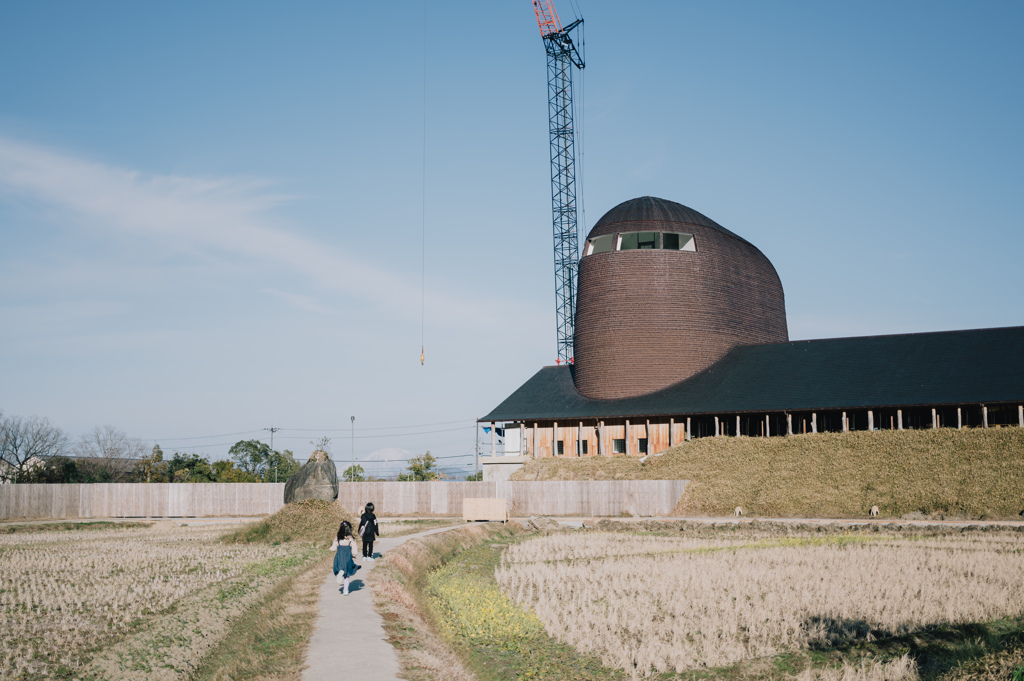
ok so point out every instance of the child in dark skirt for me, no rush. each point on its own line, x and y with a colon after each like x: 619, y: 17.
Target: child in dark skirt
x: 344, y: 551
x: 368, y: 530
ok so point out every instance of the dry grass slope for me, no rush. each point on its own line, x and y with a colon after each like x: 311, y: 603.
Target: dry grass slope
x: 313, y: 521
x: 970, y: 473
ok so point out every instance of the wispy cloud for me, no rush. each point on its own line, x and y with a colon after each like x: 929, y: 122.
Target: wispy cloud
x: 216, y: 216
x: 300, y: 301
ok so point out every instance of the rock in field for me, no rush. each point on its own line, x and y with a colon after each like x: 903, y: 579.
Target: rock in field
x: 317, y: 479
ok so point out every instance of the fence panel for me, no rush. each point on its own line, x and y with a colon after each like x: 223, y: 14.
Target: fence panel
x: 177, y: 500
x: 139, y: 500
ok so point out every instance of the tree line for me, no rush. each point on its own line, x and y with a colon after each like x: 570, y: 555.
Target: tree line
x: 32, y: 450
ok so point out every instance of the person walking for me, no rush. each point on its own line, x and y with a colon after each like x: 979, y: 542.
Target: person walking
x: 368, y: 530
x: 344, y: 547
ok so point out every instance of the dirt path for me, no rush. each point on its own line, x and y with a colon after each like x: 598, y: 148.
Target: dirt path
x: 348, y: 639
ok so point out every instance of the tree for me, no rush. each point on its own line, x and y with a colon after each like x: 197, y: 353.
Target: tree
x: 55, y: 470
x: 225, y: 471
x: 106, y: 453
x: 25, y: 443
x: 190, y: 468
x: 152, y: 468
x: 251, y: 456
x: 475, y: 477
x: 353, y: 474
x: 422, y: 468
x: 281, y: 466
x: 261, y: 462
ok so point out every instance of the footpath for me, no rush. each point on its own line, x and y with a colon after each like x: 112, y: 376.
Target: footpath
x: 348, y: 639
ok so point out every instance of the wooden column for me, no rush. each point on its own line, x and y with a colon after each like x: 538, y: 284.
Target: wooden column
x: 536, y: 440
x: 935, y: 422
x: 737, y: 425
x: 716, y: 426
x: 789, y: 424
x: 650, y: 440
x: 984, y: 416
x: 671, y: 433
x: 554, y: 439
x: 627, y: 437
x: 579, y: 440
x: 899, y: 418
x: 493, y: 438
x: 871, y: 420
x: 767, y: 426
x: 846, y: 424
x: 600, y: 438
x: 1020, y: 415
x: 814, y: 422
x: 959, y: 419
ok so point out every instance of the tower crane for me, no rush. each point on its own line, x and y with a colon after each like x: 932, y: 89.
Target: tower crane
x: 562, y: 57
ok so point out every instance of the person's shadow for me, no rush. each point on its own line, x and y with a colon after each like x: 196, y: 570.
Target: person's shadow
x: 355, y: 585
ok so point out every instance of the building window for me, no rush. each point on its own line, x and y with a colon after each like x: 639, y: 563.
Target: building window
x: 599, y: 244
x: 642, y: 446
x: 583, y: 446
x: 618, y: 446
x: 677, y: 241
x: 629, y: 241
x: 561, y: 447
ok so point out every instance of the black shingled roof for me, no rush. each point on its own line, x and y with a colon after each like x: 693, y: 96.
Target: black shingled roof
x: 981, y: 366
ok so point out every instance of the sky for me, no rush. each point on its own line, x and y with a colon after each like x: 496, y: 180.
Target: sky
x: 218, y: 218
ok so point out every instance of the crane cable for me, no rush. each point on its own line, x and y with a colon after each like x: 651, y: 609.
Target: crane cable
x: 423, y: 201
x: 581, y: 226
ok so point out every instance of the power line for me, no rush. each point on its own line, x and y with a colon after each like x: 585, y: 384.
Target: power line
x: 202, y: 437
x: 423, y: 203
x: 367, y: 437
x: 345, y: 430
x: 311, y: 430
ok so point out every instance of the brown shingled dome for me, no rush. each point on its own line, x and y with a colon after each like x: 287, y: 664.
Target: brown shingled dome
x: 664, y: 292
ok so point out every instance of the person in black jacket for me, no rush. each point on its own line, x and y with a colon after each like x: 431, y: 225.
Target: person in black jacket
x: 368, y: 530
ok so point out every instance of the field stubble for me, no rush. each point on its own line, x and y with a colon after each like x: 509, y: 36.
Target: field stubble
x: 65, y: 596
x: 649, y: 604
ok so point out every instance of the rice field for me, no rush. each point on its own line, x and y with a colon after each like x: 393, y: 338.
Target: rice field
x: 651, y: 604
x: 65, y: 596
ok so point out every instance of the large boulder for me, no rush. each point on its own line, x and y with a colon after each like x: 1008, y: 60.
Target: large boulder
x: 317, y: 479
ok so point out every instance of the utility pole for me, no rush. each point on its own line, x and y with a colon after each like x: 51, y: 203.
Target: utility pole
x: 477, y: 456
x: 352, y: 470
x: 273, y: 430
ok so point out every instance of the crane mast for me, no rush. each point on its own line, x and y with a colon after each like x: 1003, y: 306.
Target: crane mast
x: 562, y: 57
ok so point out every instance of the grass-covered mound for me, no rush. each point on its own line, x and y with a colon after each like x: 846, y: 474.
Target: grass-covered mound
x: 312, y: 520
x: 970, y: 473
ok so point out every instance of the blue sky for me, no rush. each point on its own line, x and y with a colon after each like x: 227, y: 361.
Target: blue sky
x: 211, y: 213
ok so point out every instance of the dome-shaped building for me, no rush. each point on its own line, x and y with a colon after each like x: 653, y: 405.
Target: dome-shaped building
x: 681, y: 333
x: 664, y: 292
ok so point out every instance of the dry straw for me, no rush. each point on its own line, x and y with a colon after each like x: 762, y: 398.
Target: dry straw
x: 650, y: 603
x: 66, y: 594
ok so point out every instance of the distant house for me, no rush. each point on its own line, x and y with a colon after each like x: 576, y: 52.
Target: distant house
x: 9, y: 472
